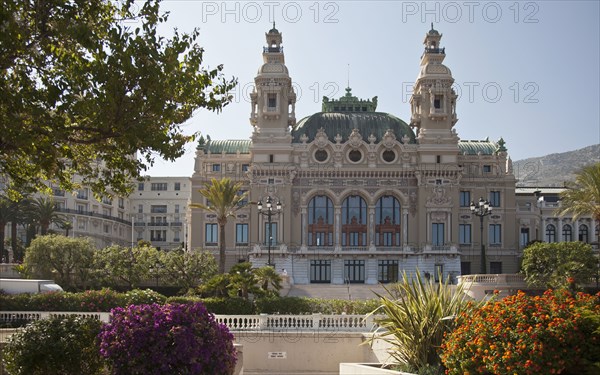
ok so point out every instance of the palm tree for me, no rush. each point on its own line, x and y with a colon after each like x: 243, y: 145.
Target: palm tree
x: 582, y: 197
x: 224, y: 200
x: 44, y: 213
x: 267, y: 276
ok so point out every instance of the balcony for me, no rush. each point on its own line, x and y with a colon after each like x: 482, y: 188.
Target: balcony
x: 176, y: 224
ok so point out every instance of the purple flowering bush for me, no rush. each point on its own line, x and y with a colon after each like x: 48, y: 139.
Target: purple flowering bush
x: 167, y: 339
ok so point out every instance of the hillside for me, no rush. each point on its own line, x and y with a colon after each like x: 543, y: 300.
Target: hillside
x: 554, y: 169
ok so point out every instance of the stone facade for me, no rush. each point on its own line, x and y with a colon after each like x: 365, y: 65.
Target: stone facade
x: 364, y: 196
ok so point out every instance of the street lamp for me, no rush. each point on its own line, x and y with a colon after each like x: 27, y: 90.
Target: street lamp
x: 481, y: 209
x: 269, y: 212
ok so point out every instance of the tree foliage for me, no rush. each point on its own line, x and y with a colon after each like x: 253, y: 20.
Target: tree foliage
x: 117, y: 265
x: 187, y: 269
x: 224, y: 201
x: 87, y: 84
x: 558, y: 265
x: 68, y: 261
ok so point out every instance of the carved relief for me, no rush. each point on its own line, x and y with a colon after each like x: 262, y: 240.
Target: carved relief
x: 321, y: 138
x: 389, y: 139
x: 438, y: 197
x: 355, y: 139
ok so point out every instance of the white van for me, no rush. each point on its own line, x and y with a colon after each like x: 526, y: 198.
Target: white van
x: 17, y: 286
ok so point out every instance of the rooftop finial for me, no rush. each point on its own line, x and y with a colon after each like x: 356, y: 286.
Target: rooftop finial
x: 274, y: 24
x: 431, y: 25
x: 348, y: 76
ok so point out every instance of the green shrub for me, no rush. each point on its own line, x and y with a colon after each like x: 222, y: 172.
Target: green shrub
x: 219, y: 306
x: 99, y: 300
x: 15, y: 302
x: 283, y: 305
x: 54, y: 301
x: 144, y: 297
x: 418, y: 313
x: 556, y: 333
x: 55, y: 346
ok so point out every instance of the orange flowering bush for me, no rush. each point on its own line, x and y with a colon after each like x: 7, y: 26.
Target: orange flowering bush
x: 556, y: 333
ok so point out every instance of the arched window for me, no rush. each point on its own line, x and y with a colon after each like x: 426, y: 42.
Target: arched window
x: 567, y: 233
x: 583, y: 233
x: 354, y: 221
x: 320, y: 221
x: 387, y: 221
x: 550, y: 233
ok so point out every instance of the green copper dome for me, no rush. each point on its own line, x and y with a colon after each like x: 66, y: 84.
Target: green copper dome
x: 229, y: 146
x: 347, y: 113
x: 485, y: 147
x: 342, y: 123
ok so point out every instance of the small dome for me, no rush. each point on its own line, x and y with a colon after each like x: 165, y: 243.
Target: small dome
x: 430, y: 70
x: 274, y: 68
x: 342, y: 123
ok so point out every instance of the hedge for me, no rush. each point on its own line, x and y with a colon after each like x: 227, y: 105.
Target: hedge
x: 106, y: 299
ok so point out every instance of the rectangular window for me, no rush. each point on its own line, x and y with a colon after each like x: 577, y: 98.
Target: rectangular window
x: 487, y: 168
x: 437, y: 234
x: 465, y: 268
x: 211, y: 234
x: 140, y: 208
x: 437, y: 102
x: 464, y: 234
x: 158, y: 209
x: 271, y: 234
x: 121, y: 203
x: 495, y: 234
x: 216, y: 167
x: 244, y: 201
x: 388, y: 271
x: 271, y: 158
x: 245, y: 167
x: 465, y: 198
x: 524, y: 237
x: 81, y: 208
x: 82, y: 194
x: 140, y: 186
x: 354, y: 271
x: 438, y: 159
x: 495, y: 198
x: 106, y: 228
x: 495, y: 267
x: 178, y: 186
x: 158, y: 186
x: 176, y: 208
x: 271, y: 101
x: 320, y: 271
x: 241, y: 234
x: 158, y: 235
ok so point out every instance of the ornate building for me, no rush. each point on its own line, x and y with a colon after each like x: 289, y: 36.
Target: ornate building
x: 363, y: 194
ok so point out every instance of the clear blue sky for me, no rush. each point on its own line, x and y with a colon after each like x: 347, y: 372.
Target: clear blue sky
x: 527, y: 71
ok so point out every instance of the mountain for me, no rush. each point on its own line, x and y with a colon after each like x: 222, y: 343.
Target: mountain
x: 554, y: 169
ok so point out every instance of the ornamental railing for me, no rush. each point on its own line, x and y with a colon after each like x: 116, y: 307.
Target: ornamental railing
x: 235, y: 323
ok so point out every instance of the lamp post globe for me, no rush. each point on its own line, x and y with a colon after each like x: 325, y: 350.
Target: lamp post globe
x: 269, y: 211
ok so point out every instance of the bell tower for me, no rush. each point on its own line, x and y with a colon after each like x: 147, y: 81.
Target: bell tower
x: 433, y: 103
x: 273, y: 104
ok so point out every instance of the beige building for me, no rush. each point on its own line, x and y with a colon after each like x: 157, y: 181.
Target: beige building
x: 363, y: 194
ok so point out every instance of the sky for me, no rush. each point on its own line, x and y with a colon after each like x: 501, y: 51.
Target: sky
x: 526, y: 71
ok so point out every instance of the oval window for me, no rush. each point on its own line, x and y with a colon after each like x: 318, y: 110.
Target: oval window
x: 388, y: 156
x: 321, y: 155
x: 355, y: 156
